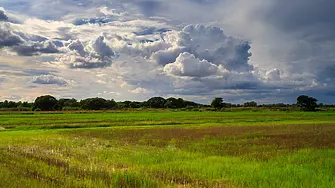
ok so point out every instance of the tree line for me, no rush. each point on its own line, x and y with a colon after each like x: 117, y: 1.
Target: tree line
x: 50, y: 103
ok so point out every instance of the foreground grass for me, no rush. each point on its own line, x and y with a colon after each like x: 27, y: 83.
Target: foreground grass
x: 169, y: 149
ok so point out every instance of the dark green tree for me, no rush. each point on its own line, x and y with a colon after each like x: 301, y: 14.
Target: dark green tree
x: 175, y: 103
x: 217, y: 103
x: 110, y: 104
x: 156, y: 102
x: 71, y: 103
x: 45, y: 103
x: 96, y: 104
x: 250, y: 104
x: 306, y: 103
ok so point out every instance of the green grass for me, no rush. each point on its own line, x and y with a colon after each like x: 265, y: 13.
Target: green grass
x: 111, y: 119
x: 168, y: 149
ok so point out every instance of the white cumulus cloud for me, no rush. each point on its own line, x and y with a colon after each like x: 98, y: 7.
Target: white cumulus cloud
x: 187, y: 64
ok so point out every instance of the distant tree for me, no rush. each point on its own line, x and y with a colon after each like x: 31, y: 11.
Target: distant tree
x: 124, y: 104
x: 110, y: 104
x: 192, y: 104
x: 27, y: 105
x: 12, y: 104
x: 130, y: 104
x: 62, y: 103
x: 84, y: 104
x: 72, y: 103
x: 175, y: 103
x: 135, y: 104
x: 96, y: 104
x: 156, y: 102
x: 46, y: 102
x: 217, y: 103
x: 226, y: 105
x: 250, y: 104
x: 306, y: 103
x: 5, y: 104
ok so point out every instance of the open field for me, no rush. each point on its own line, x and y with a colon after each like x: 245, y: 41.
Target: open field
x: 168, y: 149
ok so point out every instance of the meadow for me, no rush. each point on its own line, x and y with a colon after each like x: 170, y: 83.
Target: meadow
x: 167, y: 149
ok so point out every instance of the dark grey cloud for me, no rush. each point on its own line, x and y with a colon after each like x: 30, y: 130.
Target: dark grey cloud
x: 74, y: 61
x: 47, y: 47
x: 212, y: 44
x: 169, y: 55
x: 3, y: 16
x: 86, y: 63
x: 7, y: 37
x: 58, y: 43
x: 25, y: 45
x: 102, y: 48
x: 77, y: 46
x: 314, y: 20
x: 151, y: 30
x: 206, y: 43
x: 101, y: 20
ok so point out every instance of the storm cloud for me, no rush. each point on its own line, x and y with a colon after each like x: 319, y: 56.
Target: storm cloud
x: 7, y: 37
x: 133, y: 49
x: 208, y: 43
x: 3, y: 16
x: 47, y: 47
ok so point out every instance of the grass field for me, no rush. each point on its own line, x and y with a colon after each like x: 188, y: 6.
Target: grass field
x: 167, y: 149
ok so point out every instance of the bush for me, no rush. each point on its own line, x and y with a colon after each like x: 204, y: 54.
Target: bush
x: 68, y: 108
x: 37, y: 109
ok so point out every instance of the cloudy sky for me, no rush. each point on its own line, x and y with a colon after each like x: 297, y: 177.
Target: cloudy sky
x: 265, y: 50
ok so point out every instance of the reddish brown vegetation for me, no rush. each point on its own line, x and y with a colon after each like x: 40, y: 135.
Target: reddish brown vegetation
x: 256, y: 141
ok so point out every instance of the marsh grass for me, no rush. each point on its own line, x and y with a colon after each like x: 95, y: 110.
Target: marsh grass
x: 163, y: 149
x: 111, y: 119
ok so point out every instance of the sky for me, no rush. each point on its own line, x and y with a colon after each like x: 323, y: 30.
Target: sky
x: 270, y: 51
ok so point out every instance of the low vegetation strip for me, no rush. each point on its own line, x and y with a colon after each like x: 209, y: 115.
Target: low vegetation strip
x: 168, y: 149
x: 112, y: 119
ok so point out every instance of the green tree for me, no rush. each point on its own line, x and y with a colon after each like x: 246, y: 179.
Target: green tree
x: 96, y: 103
x: 110, y: 104
x: 217, y: 103
x: 175, y: 103
x: 306, y: 103
x: 250, y: 104
x: 156, y: 102
x: 45, y: 103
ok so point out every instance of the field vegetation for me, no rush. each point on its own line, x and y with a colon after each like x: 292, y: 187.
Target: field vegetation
x: 167, y: 149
